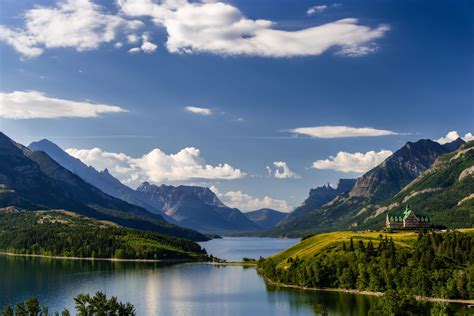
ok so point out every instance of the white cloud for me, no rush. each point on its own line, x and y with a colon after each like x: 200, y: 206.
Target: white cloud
x: 316, y: 9
x: 132, y: 38
x: 156, y: 166
x: 269, y: 171
x: 220, y: 28
x: 340, y: 131
x: 321, y: 8
x: 134, y: 50
x: 192, y: 27
x: 146, y: 47
x: 197, y: 110
x: 453, y: 135
x: 78, y: 24
x: 468, y: 137
x: 353, y: 162
x: 282, y: 171
x: 357, y: 50
x: 34, y: 104
x: 246, y: 202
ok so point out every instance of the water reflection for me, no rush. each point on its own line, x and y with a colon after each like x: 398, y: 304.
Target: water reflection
x: 163, y: 289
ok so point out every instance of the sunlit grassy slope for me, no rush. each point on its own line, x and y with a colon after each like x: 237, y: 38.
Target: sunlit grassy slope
x: 321, y: 243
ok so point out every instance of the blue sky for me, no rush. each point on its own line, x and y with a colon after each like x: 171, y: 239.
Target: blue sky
x: 259, y: 70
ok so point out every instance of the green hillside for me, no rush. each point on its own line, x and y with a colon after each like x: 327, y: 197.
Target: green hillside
x: 68, y: 234
x: 445, y: 192
x: 430, y: 264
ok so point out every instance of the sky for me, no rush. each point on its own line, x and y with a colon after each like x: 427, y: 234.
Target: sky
x: 259, y: 100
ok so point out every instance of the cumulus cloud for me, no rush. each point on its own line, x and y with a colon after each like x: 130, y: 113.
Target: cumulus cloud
x: 246, y: 202
x: 220, y: 28
x: 340, y: 131
x: 453, y: 135
x: 282, y: 171
x: 199, y: 111
x: 353, y: 162
x: 156, y: 166
x: 78, y: 24
x: 192, y: 27
x: 34, y: 104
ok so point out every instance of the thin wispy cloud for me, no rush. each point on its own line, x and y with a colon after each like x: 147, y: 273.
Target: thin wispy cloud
x: 353, y: 162
x: 316, y: 9
x: 37, y: 105
x: 340, y: 131
x: 321, y: 8
x: 198, y: 110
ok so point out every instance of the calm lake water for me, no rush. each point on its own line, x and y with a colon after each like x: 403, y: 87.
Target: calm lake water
x: 181, y: 289
x: 236, y: 248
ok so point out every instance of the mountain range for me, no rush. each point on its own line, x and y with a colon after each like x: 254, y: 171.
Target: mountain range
x: 189, y: 206
x: 32, y: 180
x: 445, y: 192
x: 195, y: 207
x: 433, y: 178
x: 328, y: 211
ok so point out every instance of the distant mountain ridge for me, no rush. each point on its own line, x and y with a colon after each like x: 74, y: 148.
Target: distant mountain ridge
x: 318, y: 197
x: 266, y: 218
x: 32, y: 180
x: 351, y: 209
x: 191, y: 206
x: 195, y: 207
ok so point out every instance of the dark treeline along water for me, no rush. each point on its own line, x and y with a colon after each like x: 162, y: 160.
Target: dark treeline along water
x: 165, y: 289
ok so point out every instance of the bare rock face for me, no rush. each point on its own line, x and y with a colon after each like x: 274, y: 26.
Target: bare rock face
x: 195, y: 207
x: 318, y: 197
x: 388, y: 178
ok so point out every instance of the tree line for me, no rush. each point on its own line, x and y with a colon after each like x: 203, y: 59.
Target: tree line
x: 21, y: 233
x: 439, y: 265
x: 85, y: 305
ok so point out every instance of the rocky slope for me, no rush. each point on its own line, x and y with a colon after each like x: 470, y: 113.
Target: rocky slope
x: 32, y: 180
x: 445, y: 192
x: 195, y: 207
x: 351, y: 209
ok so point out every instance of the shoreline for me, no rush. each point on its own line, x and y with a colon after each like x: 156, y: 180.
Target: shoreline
x: 234, y: 264
x: 359, y: 292
x: 12, y: 254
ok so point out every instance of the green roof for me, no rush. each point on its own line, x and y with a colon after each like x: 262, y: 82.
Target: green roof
x: 400, y: 216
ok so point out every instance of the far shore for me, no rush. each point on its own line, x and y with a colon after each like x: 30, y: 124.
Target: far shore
x: 359, y: 292
x: 93, y: 259
x: 235, y: 263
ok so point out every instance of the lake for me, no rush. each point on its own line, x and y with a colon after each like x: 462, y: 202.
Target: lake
x: 164, y: 289
x: 236, y: 248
